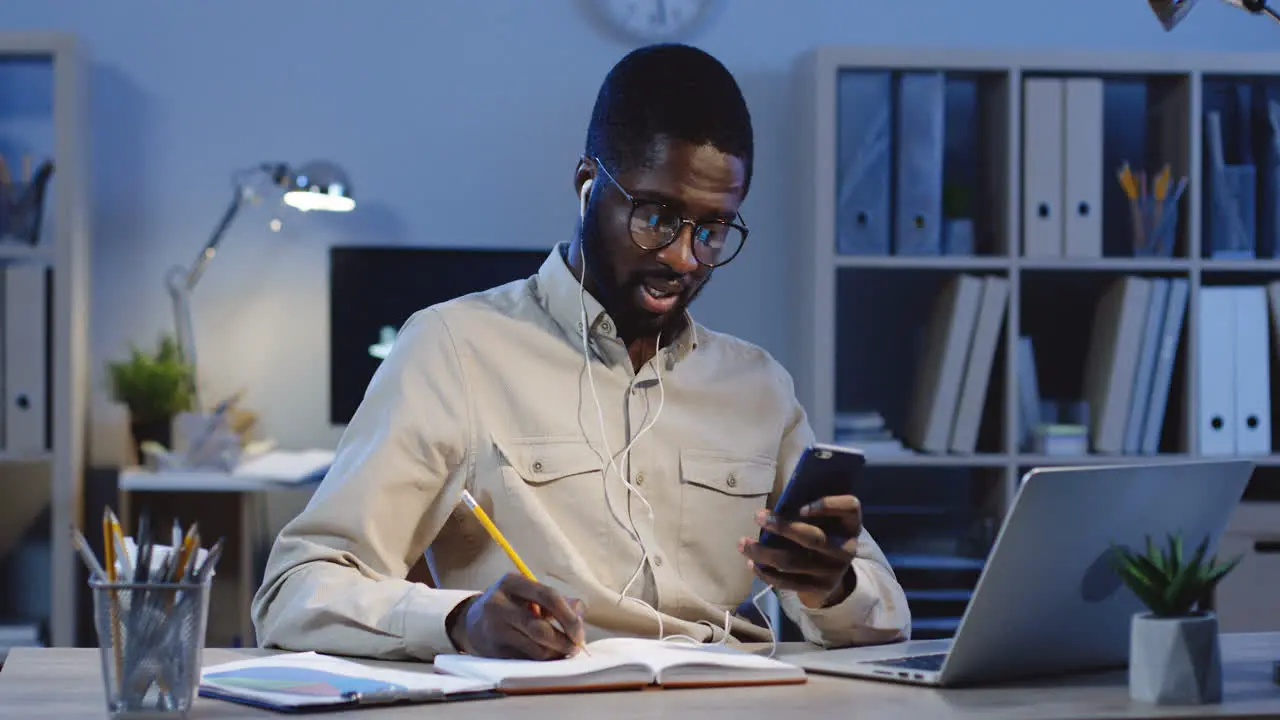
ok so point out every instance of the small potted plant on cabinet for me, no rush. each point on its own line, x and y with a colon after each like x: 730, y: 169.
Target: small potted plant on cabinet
x: 155, y: 387
x: 1174, y: 656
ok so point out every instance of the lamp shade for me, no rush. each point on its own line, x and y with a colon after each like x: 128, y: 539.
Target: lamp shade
x: 1171, y: 12
x: 318, y: 185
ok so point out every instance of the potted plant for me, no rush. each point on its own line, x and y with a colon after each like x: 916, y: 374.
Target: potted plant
x: 1173, y: 650
x: 155, y: 386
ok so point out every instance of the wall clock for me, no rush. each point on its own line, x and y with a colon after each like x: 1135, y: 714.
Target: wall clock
x: 651, y: 21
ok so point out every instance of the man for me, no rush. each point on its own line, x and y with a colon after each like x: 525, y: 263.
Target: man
x: 627, y: 454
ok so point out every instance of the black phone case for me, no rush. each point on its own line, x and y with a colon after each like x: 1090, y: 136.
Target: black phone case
x: 819, y: 473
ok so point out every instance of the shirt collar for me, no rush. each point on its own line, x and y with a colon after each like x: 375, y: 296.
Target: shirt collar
x: 560, y: 294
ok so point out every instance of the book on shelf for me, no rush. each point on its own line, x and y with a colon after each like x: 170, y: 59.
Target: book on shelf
x: 626, y: 663
x: 1128, y: 370
x: 866, y: 431
x: 956, y: 361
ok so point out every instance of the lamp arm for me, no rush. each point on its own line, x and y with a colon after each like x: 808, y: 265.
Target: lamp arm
x: 182, y: 281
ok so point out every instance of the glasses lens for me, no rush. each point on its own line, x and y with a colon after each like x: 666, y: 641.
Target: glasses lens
x: 716, y: 243
x: 653, y: 225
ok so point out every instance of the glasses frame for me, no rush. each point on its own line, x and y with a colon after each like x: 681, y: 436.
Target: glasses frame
x: 740, y: 225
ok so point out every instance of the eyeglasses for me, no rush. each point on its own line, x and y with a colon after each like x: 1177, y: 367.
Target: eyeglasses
x: 655, y: 225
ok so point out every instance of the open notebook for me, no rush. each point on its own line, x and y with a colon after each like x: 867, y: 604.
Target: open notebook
x: 310, y: 682
x: 622, y: 663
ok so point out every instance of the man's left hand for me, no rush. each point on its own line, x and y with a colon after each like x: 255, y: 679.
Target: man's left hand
x: 819, y: 571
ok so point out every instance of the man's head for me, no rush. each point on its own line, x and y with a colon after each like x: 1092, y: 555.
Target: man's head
x: 670, y: 140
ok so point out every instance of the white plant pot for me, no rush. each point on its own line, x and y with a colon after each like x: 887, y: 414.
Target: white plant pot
x: 1175, y: 661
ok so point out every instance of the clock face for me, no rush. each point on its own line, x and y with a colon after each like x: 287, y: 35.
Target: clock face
x: 655, y: 20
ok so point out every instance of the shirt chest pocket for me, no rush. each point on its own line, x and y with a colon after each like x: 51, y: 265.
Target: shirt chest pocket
x: 555, y: 490
x: 720, y: 495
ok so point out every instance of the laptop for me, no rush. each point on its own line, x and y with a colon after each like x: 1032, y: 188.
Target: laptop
x: 1048, y: 601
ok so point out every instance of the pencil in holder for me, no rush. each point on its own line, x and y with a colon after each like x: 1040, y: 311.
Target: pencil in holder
x: 151, y: 639
x: 1155, y: 228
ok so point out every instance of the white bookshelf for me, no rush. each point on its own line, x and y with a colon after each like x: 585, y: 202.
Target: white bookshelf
x: 64, y: 249
x: 1175, y: 91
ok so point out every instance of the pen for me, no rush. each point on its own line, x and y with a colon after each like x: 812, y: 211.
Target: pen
x: 86, y: 554
x: 497, y: 536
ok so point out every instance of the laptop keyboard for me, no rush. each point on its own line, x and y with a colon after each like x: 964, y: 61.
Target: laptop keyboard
x: 932, y: 661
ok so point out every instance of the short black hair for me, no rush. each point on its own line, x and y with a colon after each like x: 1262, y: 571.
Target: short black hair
x: 674, y: 91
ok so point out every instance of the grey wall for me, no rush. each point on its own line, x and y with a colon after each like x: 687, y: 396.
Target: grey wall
x: 460, y: 122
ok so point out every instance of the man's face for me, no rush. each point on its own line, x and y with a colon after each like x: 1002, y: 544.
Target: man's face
x: 645, y: 291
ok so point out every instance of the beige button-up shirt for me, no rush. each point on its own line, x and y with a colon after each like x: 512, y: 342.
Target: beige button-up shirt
x: 491, y: 392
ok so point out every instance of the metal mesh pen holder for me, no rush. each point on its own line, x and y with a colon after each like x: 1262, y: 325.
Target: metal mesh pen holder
x: 151, y: 640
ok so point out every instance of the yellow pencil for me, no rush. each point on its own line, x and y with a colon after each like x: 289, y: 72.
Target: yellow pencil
x: 497, y: 536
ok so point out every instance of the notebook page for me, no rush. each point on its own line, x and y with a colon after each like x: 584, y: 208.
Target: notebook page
x: 598, y: 664
x: 310, y: 679
x: 662, y: 654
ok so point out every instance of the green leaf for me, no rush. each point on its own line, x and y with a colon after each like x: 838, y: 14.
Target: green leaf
x: 1175, y: 555
x: 1217, y: 572
x: 1154, y: 554
x: 1146, y: 592
x: 1168, y: 580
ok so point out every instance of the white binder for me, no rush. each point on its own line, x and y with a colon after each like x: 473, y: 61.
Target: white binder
x: 1082, y: 161
x: 1042, y: 141
x: 25, y: 358
x: 1252, y: 372
x: 1215, y: 363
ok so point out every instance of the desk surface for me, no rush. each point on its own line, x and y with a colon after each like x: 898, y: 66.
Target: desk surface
x: 66, y: 683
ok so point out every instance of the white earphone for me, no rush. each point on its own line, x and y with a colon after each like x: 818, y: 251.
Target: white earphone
x: 582, y: 199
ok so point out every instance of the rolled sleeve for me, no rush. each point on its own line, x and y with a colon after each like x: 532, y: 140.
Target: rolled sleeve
x: 335, y: 580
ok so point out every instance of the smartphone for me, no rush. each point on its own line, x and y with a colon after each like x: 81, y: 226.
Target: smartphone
x: 823, y: 470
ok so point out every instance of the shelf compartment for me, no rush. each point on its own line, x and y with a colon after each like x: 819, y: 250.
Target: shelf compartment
x: 1097, y: 349
x: 1240, y: 217
x: 936, y: 527
x: 884, y: 361
x: 1237, y: 366
x: 1078, y: 130
x: 921, y: 163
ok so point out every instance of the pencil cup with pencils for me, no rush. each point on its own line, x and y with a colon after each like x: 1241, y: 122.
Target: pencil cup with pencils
x: 151, y: 611
x: 1153, y: 210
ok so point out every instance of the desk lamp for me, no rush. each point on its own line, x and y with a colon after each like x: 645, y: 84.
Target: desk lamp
x: 317, y: 185
x: 1172, y: 12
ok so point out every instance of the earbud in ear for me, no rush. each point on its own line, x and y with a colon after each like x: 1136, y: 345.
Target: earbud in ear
x: 582, y: 199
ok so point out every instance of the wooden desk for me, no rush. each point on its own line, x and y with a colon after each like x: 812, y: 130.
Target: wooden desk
x: 65, y: 683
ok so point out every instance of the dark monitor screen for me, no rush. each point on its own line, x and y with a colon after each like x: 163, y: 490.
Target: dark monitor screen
x: 374, y: 290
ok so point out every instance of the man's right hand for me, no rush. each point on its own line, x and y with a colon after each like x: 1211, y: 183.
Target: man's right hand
x: 502, y: 623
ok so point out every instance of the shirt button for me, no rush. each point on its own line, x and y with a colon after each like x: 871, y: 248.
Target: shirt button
x: 537, y: 466
x: 635, y: 390
x: 732, y: 481
x: 639, y: 479
x: 657, y: 560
